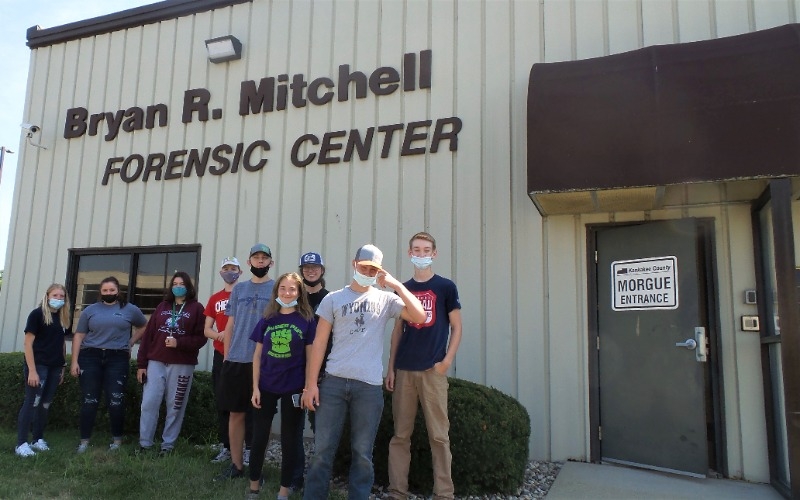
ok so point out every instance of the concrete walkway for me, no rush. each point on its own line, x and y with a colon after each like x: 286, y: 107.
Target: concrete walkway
x: 579, y: 480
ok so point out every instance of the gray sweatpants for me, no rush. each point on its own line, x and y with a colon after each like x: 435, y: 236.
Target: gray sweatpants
x: 170, y: 383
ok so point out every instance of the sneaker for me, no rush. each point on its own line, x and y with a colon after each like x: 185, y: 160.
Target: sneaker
x: 246, y: 457
x: 142, y: 451
x: 114, y: 446
x: 251, y: 495
x: 165, y: 452
x: 24, y: 450
x: 40, y: 445
x: 82, y: 447
x: 230, y: 473
x: 223, y: 456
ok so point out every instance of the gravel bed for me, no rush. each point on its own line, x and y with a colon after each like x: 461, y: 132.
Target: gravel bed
x: 539, y: 477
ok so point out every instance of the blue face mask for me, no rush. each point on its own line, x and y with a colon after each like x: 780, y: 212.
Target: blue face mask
x: 421, y: 262
x: 179, y: 291
x: 364, y: 280
x: 284, y: 304
x: 55, y: 303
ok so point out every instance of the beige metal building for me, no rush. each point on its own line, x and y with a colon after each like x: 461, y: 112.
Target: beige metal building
x: 341, y: 123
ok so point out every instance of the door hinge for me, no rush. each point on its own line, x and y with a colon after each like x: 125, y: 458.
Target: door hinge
x: 598, y: 342
x: 600, y: 433
x: 595, y: 256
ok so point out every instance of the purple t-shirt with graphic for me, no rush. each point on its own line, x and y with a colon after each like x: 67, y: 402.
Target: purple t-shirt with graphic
x: 283, y: 355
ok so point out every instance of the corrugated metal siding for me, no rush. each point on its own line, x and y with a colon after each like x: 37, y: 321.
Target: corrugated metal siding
x: 522, y: 279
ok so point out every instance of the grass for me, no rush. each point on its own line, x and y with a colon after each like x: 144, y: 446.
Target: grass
x: 99, y: 474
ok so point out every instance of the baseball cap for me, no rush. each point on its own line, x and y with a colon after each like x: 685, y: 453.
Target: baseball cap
x: 311, y: 258
x: 369, y: 255
x: 230, y: 260
x: 260, y: 247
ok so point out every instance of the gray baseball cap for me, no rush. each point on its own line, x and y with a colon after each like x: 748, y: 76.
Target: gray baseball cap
x: 369, y: 255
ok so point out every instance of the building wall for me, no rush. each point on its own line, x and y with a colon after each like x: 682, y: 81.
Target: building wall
x: 522, y: 278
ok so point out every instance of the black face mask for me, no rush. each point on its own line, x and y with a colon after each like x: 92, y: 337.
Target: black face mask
x: 108, y: 299
x: 312, y: 284
x: 259, y: 272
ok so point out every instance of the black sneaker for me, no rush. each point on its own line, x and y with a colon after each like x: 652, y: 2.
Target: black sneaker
x: 165, y: 452
x: 230, y: 473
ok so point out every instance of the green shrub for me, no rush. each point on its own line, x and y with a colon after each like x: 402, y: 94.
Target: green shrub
x: 199, y: 424
x: 489, y: 434
x: 489, y: 430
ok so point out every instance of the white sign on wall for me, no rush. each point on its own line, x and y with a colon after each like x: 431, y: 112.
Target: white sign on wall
x: 643, y: 284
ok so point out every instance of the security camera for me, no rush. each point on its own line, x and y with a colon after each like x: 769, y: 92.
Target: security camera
x: 30, y: 128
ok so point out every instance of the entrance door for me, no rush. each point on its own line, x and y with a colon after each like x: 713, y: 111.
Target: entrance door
x: 651, y: 286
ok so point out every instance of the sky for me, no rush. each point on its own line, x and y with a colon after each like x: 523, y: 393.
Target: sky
x: 18, y: 16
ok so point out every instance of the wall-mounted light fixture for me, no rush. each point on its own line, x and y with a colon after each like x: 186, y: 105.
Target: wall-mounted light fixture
x: 224, y: 48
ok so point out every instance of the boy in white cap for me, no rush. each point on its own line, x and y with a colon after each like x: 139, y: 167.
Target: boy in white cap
x: 245, y: 308
x: 230, y: 270
x: 356, y: 316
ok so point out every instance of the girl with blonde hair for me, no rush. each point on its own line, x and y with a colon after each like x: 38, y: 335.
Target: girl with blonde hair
x: 45, y: 348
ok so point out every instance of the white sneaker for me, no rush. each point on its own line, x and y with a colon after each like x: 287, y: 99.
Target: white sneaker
x: 114, y: 446
x: 82, y: 447
x: 40, y: 445
x: 223, y: 456
x: 24, y: 450
x: 246, y: 457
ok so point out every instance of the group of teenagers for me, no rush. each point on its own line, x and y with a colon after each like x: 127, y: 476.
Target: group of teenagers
x: 284, y: 340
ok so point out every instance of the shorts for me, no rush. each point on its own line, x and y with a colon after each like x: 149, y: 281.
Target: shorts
x: 236, y: 386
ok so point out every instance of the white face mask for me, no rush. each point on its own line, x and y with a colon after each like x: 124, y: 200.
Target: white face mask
x: 364, y: 280
x: 421, y: 262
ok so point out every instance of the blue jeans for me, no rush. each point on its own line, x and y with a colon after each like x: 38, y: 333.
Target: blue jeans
x: 103, y: 370
x: 364, y: 402
x: 37, y: 402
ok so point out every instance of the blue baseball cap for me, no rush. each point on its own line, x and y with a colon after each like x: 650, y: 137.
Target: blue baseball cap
x: 311, y: 258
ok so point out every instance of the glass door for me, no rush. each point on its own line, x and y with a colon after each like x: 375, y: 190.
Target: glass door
x: 779, y: 318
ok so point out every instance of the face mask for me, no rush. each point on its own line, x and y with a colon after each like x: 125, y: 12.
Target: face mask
x: 364, y: 280
x: 284, y: 304
x: 179, y: 291
x: 55, y: 303
x: 311, y: 283
x: 229, y: 277
x: 421, y: 262
x: 259, y: 272
x: 109, y: 299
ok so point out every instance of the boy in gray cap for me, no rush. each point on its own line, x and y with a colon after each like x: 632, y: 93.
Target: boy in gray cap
x: 356, y: 316
x: 245, y: 307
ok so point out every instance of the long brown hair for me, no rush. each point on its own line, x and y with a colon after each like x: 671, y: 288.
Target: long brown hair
x: 63, y: 313
x: 302, y: 307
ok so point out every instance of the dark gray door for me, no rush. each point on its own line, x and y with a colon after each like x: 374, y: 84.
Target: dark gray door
x: 652, y: 392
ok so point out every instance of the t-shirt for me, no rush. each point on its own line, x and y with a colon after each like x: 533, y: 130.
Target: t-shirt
x: 246, y: 304
x: 48, y: 340
x: 283, y: 357
x: 109, y: 326
x: 315, y: 298
x: 425, y: 344
x: 359, y: 323
x: 216, y: 309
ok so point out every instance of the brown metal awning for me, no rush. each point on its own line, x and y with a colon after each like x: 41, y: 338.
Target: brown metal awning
x: 724, y: 110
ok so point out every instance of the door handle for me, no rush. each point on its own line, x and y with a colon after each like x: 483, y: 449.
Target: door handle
x: 690, y: 344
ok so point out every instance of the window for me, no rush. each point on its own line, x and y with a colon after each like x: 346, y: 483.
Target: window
x: 143, y: 273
